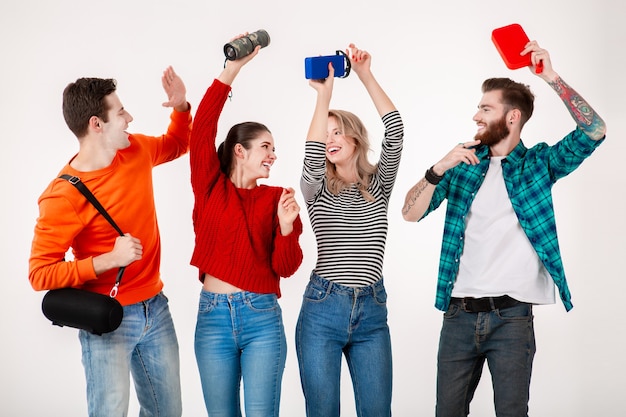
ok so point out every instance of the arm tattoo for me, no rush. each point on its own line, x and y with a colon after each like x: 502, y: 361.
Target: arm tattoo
x: 415, y: 192
x: 581, y: 111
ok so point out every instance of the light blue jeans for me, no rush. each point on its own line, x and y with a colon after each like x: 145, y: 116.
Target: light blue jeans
x: 335, y: 320
x: 240, y: 336
x: 145, y: 346
x: 506, y: 339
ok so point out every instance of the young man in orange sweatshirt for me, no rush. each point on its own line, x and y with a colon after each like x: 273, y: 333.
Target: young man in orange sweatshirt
x: 117, y: 167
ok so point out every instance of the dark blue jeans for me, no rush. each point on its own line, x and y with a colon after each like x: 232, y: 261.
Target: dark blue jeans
x: 506, y: 339
x: 336, y: 320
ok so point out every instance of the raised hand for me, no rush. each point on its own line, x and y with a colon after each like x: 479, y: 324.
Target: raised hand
x: 232, y: 68
x: 360, y: 60
x: 540, y: 58
x: 325, y: 86
x: 175, y: 90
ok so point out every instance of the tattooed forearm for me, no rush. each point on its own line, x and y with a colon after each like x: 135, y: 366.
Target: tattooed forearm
x: 581, y: 111
x: 413, y: 195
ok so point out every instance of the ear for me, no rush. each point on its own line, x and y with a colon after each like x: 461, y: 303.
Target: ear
x: 513, y: 116
x: 95, y: 123
x: 239, y: 151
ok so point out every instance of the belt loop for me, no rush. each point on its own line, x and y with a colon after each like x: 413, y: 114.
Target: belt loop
x: 492, y: 303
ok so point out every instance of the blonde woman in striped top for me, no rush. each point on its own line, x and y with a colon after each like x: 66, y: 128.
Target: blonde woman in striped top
x: 344, y: 305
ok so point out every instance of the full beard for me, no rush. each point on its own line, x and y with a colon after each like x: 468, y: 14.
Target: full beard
x: 493, y: 133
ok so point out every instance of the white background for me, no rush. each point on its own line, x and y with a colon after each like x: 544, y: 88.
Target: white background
x: 431, y: 58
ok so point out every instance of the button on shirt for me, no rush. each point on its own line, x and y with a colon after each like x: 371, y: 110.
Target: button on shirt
x: 529, y: 175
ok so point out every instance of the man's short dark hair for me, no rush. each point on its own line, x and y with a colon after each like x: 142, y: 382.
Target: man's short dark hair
x: 83, y: 99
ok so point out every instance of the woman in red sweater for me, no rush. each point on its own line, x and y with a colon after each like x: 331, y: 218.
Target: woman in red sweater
x: 246, y: 239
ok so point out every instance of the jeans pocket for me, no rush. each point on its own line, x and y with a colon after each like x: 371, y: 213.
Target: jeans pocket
x: 380, y: 296
x: 452, y: 312
x: 262, y: 302
x: 519, y: 312
x: 206, y: 304
x: 314, y: 293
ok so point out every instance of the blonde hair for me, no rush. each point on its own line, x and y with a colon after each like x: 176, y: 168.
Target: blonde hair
x: 352, y: 127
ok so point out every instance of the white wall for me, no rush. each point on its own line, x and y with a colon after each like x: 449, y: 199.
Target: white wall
x: 431, y: 58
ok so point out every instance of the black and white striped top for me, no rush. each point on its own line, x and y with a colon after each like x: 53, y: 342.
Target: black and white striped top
x: 351, y: 232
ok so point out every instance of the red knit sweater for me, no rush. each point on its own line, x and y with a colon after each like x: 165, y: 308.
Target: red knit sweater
x: 238, y: 237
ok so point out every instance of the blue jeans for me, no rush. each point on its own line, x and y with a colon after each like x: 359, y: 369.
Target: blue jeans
x: 145, y: 346
x: 335, y: 320
x: 240, y: 335
x: 506, y: 339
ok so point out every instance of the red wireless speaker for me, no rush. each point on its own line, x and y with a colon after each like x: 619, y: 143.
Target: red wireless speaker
x: 510, y: 41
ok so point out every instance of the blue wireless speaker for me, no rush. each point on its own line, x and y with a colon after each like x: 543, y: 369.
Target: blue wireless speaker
x: 316, y: 67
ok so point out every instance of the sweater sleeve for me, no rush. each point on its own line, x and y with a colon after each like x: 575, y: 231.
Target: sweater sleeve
x: 287, y: 254
x: 56, y: 228
x: 175, y: 142
x: 205, y: 166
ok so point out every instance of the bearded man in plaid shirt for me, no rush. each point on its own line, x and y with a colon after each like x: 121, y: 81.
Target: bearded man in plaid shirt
x: 500, y: 253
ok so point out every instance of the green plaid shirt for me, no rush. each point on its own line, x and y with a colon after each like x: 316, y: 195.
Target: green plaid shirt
x: 529, y: 175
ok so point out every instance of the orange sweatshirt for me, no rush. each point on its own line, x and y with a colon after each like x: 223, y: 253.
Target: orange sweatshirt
x: 68, y: 220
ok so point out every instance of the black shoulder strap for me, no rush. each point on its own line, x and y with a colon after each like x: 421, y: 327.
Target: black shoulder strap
x: 76, y: 182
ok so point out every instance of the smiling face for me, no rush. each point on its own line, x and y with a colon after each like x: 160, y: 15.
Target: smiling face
x: 257, y: 160
x: 114, y: 129
x: 339, y: 147
x: 491, y: 119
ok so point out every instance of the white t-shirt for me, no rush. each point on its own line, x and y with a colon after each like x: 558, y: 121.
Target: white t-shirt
x: 498, y: 259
